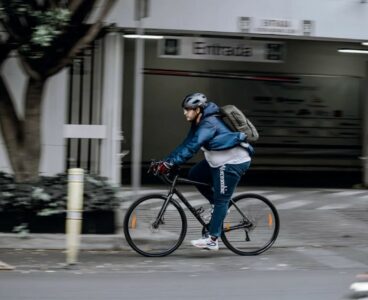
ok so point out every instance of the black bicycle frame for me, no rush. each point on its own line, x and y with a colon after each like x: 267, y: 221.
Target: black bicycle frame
x: 173, y: 190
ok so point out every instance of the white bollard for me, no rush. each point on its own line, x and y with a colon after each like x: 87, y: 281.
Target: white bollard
x: 74, y: 214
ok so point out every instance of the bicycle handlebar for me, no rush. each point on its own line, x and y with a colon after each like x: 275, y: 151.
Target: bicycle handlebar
x: 165, y: 177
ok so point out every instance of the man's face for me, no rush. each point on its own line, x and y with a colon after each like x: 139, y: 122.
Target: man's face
x: 191, y: 114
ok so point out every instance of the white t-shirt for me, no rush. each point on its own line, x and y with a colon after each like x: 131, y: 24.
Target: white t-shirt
x: 236, y: 155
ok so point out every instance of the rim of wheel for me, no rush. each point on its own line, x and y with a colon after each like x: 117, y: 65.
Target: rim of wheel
x: 149, y: 241
x: 261, y: 235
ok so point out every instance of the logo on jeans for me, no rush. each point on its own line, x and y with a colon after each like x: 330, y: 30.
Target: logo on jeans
x: 223, y: 187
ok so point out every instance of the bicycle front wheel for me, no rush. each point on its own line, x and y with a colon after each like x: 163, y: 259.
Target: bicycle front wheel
x: 251, y: 225
x: 152, y: 237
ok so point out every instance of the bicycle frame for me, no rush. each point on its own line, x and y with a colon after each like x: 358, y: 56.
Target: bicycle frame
x: 174, y: 191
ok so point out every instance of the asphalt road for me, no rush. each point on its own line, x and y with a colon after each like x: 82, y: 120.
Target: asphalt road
x: 321, y: 248
x: 264, y: 285
x: 317, y: 273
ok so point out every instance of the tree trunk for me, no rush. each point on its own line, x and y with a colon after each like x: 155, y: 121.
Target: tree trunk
x: 32, y: 129
x: 11, y: 128
x: 23, y: 138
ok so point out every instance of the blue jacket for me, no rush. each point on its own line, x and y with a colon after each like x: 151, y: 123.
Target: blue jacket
x: 211, y: 133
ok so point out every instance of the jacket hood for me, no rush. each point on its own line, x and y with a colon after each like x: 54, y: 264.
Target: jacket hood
x: 210, y: 109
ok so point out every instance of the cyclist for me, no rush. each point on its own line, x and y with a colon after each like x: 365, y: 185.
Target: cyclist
x: 227, y: 157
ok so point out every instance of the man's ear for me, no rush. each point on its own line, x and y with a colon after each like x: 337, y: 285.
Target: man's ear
x: 198, y: 110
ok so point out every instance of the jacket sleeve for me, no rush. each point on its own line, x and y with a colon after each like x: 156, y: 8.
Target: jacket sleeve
x: 192, y: 144
x: 178, y: 148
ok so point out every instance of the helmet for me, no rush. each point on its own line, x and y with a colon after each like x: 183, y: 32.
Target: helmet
x: 194, y: 100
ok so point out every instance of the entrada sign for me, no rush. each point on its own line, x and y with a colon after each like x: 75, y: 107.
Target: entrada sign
x: 276, y: 26
x: 221, y: 49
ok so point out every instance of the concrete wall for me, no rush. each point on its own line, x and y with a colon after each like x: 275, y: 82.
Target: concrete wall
x: 342, y: 19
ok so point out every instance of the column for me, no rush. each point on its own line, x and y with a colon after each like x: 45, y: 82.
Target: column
x: 112, y: 106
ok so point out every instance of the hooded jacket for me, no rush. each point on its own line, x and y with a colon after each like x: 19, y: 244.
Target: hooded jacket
x: 210, y: 133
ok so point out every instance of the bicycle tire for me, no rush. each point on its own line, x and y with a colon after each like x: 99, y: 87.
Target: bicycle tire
x: 261, y: 235
x: 149, y: 241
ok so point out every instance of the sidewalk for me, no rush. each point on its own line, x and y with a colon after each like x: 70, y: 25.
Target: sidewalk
x: 309, y: 217
x: 58, y: 241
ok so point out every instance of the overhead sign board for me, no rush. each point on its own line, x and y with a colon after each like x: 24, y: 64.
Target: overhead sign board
x: 221, y: 49
x: 276, y: 26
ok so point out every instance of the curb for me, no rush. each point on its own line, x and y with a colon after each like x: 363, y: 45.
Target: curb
x: 58, y: 241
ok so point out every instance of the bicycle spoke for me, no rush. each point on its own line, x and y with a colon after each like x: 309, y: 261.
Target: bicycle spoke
x: 150, y: 236
x: 255, y: 229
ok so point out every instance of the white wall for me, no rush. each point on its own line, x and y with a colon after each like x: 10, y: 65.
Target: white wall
x: 345, y: 19
x: 53, y: 120
x: 53, y: 116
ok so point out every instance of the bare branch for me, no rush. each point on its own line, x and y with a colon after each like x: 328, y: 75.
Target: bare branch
x: 78, y: 5
x: 18, y: 27
x: 94, y: 29
x: 83, y: 11
x: 74, y: 5
x: 10, y: 31
x: 5, y: 48
x: 28, y: 69
x: 86, y: 39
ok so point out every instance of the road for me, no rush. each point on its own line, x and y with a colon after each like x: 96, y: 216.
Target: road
x: 317, y: 273
x: 273, y: 285
x: 322, y: 246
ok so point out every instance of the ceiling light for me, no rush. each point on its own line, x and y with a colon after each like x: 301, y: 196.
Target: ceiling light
x: 143, y: 36
x: 365, y: 43
x: 354, y: 51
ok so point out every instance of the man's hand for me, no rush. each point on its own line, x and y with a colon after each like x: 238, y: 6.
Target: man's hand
x: 162, y: 167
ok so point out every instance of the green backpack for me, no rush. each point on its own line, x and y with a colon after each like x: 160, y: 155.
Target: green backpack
x: 237, y: 121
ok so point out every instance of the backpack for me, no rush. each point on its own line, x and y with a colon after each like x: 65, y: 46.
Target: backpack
x: 237, y: 121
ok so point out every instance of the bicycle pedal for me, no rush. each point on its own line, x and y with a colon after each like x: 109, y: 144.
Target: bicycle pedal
x: 200, y: 210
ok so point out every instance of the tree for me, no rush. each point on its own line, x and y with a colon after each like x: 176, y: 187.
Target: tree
x: 47, y: 35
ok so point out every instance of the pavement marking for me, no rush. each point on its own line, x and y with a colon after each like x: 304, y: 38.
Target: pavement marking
x: 196, y: 202
x: 349, y: 193
x: 333, y: 260
x: 191, y: 194
x: 275, y: 197
x: 293, y: 204
x: 5, y: 267
x: 335, y: 206
x: 253, y: 192
x: 325, y: 199
x: 359, y: 286
x: 131, y: 193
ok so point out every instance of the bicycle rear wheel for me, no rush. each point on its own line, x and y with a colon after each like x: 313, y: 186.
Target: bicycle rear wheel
x: 146, y: 238
x: 251, y: 225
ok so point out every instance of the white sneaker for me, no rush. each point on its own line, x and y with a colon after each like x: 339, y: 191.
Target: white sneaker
x: 206, y: 243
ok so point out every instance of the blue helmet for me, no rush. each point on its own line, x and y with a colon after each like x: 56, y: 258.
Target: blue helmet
x: 194, y: 100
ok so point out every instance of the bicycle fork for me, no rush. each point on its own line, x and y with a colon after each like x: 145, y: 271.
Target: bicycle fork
x: 159, y: 220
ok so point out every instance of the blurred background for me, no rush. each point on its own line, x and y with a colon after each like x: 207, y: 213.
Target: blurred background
x: 99, y: 84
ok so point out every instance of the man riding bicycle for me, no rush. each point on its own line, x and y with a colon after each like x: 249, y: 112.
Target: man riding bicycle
x: 227, y: 158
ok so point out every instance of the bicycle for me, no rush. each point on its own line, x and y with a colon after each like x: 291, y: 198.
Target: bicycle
x: 155, y: 225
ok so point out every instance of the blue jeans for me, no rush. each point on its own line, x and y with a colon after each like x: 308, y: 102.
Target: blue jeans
x: 223, y: 181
